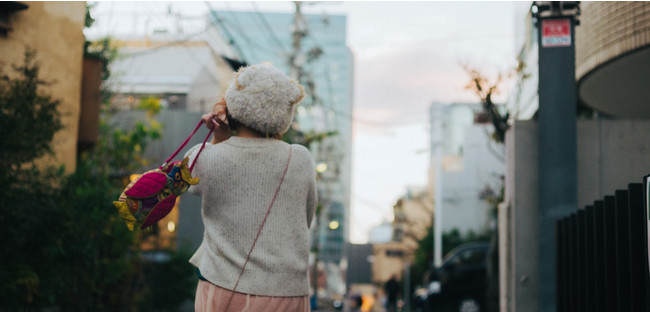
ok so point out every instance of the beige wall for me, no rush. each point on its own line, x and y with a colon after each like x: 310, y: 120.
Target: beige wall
x: 225, y: 74
x: 55, y: 31
x: 609, y: 29
x: 413, y: 216
x: 384, y: 266
x: 417, y: 213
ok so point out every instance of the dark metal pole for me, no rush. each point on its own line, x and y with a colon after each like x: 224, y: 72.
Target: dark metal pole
x: 556, y: 142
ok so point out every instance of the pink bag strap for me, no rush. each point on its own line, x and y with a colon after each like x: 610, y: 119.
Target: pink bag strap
x: 263, y: 222
x: 185, y: 143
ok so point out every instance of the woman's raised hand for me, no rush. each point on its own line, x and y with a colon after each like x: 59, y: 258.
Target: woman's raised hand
x: 217, y: 121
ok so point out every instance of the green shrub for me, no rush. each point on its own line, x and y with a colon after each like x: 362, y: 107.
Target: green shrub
x: 65, y: 246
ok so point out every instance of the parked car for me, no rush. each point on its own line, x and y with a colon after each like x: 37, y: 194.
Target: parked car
x: 460, y: 283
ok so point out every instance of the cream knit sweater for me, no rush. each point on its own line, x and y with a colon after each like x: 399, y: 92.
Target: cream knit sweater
x: 238, y: 178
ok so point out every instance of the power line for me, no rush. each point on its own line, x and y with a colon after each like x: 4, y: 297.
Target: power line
x: 377, y: 207
x: 166, y: 44
x: 229, y: 36
x: 176, y: 43
x: 251, y: 43
x: 238, y: 27
x: 375, y: 122
x: 269, y: 29
x: 329, y: 105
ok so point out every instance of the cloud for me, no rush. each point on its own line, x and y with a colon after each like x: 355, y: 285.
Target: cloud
x: 407, y: 56
x: 382, y: 166
x: 403, y: 83
x: 373, y: 121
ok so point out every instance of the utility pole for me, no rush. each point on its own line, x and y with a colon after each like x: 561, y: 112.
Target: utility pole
x: 299, y: 64
x: 296, y: 61
x: 557, y: 149
x: 436, y: 113
x: 406, y: 286
x: 296, y: 58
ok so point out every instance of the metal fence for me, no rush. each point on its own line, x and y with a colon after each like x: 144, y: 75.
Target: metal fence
x: 602, y: 255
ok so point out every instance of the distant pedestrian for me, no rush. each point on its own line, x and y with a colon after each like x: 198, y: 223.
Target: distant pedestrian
x: 392, y: 289
x: 356, y: 301
x: 256, y: 190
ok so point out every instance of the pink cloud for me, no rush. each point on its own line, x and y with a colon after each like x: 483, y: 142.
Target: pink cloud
x: 403, y: 84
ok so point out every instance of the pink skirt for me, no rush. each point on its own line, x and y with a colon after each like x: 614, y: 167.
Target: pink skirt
x: 212, y: 298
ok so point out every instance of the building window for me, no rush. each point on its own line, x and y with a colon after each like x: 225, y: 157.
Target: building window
x: 394, y: 253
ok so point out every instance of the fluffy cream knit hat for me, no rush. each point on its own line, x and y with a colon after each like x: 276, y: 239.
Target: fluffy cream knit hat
x: 263, y: 98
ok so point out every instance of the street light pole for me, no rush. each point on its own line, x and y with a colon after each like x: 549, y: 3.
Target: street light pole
x: 437, y: 244
x: 436, y: 146
x: 406, y: 289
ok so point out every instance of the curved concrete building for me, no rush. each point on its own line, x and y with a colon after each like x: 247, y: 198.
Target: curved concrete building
x: 613, y: 58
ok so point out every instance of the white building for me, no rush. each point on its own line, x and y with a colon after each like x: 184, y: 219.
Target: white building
x: 187, y: 76
x: 472, y: 167
x: 382, y: 233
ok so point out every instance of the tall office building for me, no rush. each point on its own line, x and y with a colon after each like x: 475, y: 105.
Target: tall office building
x: 317, y: 44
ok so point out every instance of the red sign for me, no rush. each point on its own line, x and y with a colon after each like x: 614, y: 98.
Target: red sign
x: 556, y: 33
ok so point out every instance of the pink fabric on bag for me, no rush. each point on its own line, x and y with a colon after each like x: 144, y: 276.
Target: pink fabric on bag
x: 147, y: 185
x: 160, y: 211
x: 212, y: 298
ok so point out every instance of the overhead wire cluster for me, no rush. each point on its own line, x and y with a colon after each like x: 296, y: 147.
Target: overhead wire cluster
x: 235, y: 26
x: 190, y: 51
x: 234, y: 32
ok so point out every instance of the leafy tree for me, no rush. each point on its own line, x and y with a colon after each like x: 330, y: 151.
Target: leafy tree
x: 66, y: 247
x: 28, y: 121
x: 173, y: 282
x: 98, y: 261
x: 151, y: 104
x: 27, y: 116
x: 485, y: 89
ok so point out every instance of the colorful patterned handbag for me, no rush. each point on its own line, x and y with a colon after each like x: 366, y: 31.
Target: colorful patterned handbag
x: 152, y: 195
